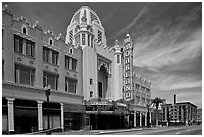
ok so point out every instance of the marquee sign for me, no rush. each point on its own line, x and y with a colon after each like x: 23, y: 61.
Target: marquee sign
x: 128, y: 65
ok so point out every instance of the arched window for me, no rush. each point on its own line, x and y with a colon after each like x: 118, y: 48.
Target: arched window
x: 50, y: 41
x: 71, y: 51
x: 24, y: 29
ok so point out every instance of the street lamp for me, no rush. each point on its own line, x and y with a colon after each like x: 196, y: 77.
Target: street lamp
x: 47, y: 93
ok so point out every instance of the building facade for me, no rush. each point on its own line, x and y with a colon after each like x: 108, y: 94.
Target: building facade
x: 32, y: 59
x: 92, y: 84
x: 183, y: 113
x: 102, y: 68
x: 140, y: 102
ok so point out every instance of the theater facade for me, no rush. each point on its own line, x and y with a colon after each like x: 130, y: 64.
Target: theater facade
x: 92, y: 85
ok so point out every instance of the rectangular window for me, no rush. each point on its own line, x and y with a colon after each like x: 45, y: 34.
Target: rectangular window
x: 55, y: 55
x: 50, y: 79
x: 24, y: 75
x: 92, y: 42
x: 100, y: 85
x: 77, y: 40
x: 91, y: 94
x: 83, y: 39
x: 2, y: 38
x: 74, y: 64
x: 30, y: 48
x: 46, y: 54
x: 70, y: 85
x: 18, y: 44
x: 118, y: 58
x: 88, y: 39
x: 67, y: 62
x: 99, y: 36
x: 3, y: 70
x: 91, y: 81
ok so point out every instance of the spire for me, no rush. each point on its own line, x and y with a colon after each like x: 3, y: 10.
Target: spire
x: 84, y: 19
x: 116, y: 42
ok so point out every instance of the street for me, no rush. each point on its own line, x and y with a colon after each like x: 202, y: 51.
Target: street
x: 184, y: 130
x: 181, y: 130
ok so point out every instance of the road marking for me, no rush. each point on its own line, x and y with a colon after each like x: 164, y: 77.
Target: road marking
x: 189, y: 130
x: 178, y: 133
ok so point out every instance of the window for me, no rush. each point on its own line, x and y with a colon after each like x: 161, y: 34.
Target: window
x: 91, y: 94
x: 46, y: 54
x: 74, y: 64
x: 77, y: 40
x: 18, y: 44
x: 67, y: 62
x: 2, y: 38
x: 30, y: 48
x: 50, y: 56
x: 71, y: 51
x: 92, y: 42
x: 99, y: 36
x: 137, y: 87
x: 83, y: 39
x: 50, y: 79
x: 3, y: 70
x: 91, y: 81
x: 118, y: 58
x: 100, y: 89
x: 24, y: 30
x: 71, y: 36
x: 51, y: 41
x: 88, y: 39
x: 70, y: 85
x: 55, y: 57
x: 24, y: 75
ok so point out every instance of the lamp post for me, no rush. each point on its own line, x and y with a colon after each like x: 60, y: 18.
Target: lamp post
x: 47, y: 93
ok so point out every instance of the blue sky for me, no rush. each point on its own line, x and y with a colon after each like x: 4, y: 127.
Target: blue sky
x: 167, y: 39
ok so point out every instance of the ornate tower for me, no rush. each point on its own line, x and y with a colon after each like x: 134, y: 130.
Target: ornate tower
x: 118, y: 71
x: 128, y: 68
x: 85, y: 29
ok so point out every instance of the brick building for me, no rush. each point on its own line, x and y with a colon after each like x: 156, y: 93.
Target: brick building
x: 32, y: 59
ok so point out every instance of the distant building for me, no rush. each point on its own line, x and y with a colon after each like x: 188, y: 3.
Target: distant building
x: 199, y: 115
x: 153, y: 116
x: 183, y: 112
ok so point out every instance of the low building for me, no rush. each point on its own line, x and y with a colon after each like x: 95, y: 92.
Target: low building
x: 199, y: 115
x: 179, y: 113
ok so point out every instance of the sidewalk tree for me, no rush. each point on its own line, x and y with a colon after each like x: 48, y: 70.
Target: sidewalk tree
x: 157, y: 102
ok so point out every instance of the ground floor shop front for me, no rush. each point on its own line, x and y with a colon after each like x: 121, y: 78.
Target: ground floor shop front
x: 25, y: 110
x: 26, y: 116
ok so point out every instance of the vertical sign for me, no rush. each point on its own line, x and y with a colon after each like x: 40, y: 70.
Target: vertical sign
x: 128, y: 65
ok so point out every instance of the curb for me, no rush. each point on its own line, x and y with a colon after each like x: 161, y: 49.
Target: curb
x: 117, y: 131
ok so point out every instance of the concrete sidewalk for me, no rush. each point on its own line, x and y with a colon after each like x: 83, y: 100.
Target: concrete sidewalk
x: 99, y: 132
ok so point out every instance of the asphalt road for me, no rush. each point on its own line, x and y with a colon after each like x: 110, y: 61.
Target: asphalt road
x: 184, y: 130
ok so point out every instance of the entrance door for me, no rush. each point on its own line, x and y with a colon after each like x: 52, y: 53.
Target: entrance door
x: 100, y: 86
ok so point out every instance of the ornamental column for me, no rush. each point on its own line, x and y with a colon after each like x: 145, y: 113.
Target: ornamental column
x: 62, y: 116
x: 140, y: 119
x: 10, y: 114
x: 40, y: 116
x: 145, y: 119
x: 135, y: 119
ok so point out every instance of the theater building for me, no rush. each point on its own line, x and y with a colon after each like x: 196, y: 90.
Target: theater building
x: 102, y: 69
x: 32, y: 59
